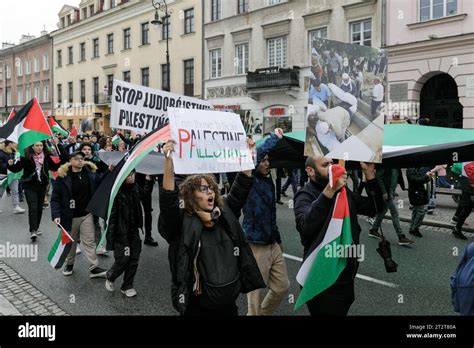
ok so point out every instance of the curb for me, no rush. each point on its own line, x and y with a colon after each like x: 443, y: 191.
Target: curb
x: 434, y: 223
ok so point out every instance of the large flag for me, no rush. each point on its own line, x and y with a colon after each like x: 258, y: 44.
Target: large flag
x: 73, y: 132
x: 102, y: 201
x: 56, y: 128
x: 321, y: 268
x: 12, y: 114
x: 27, y: 127
x: 61, y: 247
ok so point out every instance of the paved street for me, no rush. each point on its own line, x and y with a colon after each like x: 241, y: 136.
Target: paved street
x: 420, y: 287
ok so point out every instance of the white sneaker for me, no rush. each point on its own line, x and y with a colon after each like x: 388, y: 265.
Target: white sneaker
x: 18, y: 210
x: 129, y: 292
x: 78, y: 250
x: 109, y: 285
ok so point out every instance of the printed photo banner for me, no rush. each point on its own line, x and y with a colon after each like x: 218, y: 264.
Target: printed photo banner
x: 143, y: 109
x: 208, y: 142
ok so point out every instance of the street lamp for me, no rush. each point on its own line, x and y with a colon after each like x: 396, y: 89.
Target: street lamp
x: 161, y: 5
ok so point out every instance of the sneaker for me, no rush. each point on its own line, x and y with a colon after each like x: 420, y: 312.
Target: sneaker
x: 68, y: 269
x: 459, y: 235
x: 403, y: 240
x: 151, y: 242
x: 18, y: 210
x: 129, y: 292
x: 375, y: 234
x: 78, y: 250
x: 33, y: 236
x: 454, y: 221
x: 98, y: 273
x: 416, y: 233
x: 39, y: 233
x: 109, y: 285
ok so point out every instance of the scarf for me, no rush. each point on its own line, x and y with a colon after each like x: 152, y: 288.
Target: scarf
x: 39, y: 160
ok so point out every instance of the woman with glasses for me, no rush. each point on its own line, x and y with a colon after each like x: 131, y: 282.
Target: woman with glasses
x: 210, y: 260
x: 36, y: 165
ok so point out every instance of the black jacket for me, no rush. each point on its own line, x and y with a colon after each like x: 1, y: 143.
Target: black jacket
x: 30, y: 176
x: 417, y: 192
x: 312, y: 212
x: 182, y: 231
x: 5, y: 156
x: 62, y: 193
x: 126, y: 216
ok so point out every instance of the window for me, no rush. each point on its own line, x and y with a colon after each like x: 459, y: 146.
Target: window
x: 215, y: 10
x: 321, y: 33
x: 433, y: 9
x: 110, y: 84
x: 165, y: 28
x: 82, y: 84
x: 19, y: 69
x: 37, y: 64
x: 9, y: 96
x: 91, y: 10
x: 27, y: 93
x: 63, y: 22
x: 216, y: 63
x: 8, y: 72
x: 145, y: 31
x: 242, y: 6
x: 95, y: 87
x: 59, y: 58
x: 126, y: 39
x: 110, y: 43
x: 37, y: 92
x: 95, y: 47
x: 189, y: 21
x: 69, y: 55
x: 112, y: 3
x: 242, y: 58
x: 277, y: 52
x: 145, y: 77
x: 361, y: 32
x: 28, y: 67
x: 84, y: 13
x: 20, y: 95
x: 69, y: 92
x: 60, y: 93
x: 45, y: 62
x: 165, y: 77
x: 82, y: 49
x: 46, y: 91
x: 126, y: 76
x: 189, y: 77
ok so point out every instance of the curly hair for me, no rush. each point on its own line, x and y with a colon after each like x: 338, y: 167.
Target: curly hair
x: 191, y: 184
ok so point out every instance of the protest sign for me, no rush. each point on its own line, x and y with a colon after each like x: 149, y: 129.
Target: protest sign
x: 208, y: 142
x: 142, y: 109
x: 346, y: 101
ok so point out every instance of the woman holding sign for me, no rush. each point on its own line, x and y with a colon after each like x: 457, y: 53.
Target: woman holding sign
x: 210, y: 260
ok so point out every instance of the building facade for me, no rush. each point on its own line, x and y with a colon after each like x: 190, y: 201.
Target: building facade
x: 257, y: 53
x: 431, y: 61
x: 99, y: 41
x: 26, y: 73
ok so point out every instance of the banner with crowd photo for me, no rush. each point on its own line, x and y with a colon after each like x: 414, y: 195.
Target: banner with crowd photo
x: 346, y: 101
x: 143, y: 109
x: 208, y: 142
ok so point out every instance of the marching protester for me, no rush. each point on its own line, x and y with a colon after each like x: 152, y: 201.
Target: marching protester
x: 72, y: 191
x: 90, y: 156
x: 35, y: 165
x: 262, y: 233
x: 440, y: 170
x: 388, y: 181
x: 467, y: 200
x: 313, y: 205
x: 123, y: 236
x: 145, y: 184
x: 7, y: 152
x: 210, y: 259
x: 418, y: 197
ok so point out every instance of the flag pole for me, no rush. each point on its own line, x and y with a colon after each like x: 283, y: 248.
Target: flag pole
x: 63, y: 229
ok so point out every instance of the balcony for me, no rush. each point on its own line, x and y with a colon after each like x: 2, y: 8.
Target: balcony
x: 268, y: 80
x: 102, y: 99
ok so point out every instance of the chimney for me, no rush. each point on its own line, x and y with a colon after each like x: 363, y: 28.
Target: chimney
x: 26, y: 38
x: 44, y: 32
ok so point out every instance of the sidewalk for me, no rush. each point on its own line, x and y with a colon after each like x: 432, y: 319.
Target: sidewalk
x: 19, y: 297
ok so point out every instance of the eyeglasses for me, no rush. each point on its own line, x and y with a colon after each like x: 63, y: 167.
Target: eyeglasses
x: 206, y: 189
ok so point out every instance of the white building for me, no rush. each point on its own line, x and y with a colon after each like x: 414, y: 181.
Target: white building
x: 271, y: 39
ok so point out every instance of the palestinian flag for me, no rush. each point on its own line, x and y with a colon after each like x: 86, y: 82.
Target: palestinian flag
x: 110, y: 186
x: 12, y: 114
x: 322, y: 266
x: 27, y: 127
x: 56, y: 128
x: 58, y: 253
x: 115, y: 139
x: 73, y: 132
x: 468, y: 171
